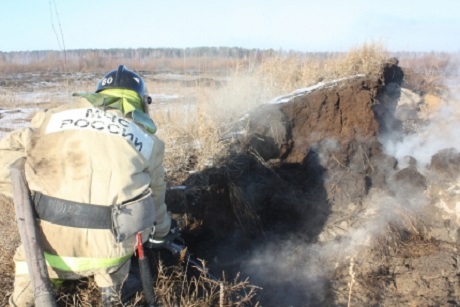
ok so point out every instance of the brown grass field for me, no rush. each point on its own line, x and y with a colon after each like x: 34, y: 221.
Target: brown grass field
x: 191, y: 124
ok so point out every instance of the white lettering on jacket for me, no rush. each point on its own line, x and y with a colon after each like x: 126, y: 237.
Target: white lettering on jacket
x: 100, y: 121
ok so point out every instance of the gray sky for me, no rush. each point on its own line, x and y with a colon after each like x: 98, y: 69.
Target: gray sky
x: 308, y: 25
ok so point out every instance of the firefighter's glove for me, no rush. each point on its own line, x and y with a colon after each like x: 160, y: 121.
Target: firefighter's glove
x: 158, y: 243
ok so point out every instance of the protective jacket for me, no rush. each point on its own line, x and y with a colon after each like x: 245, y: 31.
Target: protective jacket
x: 87, y: 155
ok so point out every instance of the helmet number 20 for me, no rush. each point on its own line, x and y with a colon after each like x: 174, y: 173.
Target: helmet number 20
x: 106, y: 81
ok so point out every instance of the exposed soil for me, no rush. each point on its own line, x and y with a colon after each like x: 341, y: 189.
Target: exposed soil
x: 310, y: 206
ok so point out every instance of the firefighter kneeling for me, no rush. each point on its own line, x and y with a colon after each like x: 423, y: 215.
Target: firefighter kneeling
x: 93, y: 186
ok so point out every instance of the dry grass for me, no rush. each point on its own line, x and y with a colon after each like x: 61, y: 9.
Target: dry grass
x: 284, y: 74
x: 366, y: 275
x: 242, y: 208
x: 9, y: 240
x: 172, y: 288
x: 192, y: 129
x: 175, y: 289
x: 427, y: 73
x: 189, y: 133
x: 366, y: 59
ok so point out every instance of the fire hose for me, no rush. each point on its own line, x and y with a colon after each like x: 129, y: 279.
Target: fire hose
x: 35, y: 256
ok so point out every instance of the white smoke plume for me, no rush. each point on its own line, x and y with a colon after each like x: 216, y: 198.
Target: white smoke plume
x: 303, y: 269
x: 442, y: 131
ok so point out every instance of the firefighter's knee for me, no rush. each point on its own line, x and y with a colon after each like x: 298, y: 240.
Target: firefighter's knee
x: 22, y: 294
x: 113, y: 277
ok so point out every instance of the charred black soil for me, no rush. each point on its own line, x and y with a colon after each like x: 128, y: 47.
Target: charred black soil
x: 285, y: 205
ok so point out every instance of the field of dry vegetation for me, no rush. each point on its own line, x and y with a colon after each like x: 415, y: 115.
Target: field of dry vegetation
x: 208, y: 89
x: 248, y: 86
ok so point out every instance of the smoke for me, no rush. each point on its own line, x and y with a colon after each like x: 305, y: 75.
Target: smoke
x: 242, y: 92
x: 303, y: 271
x: 442, y: 129
x: 306, y: 271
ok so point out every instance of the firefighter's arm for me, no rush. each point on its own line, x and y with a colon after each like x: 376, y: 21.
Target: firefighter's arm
x: 158, y: 186
x: 13, y: 148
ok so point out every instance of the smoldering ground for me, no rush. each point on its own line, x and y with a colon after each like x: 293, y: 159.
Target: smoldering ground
x: 333, y: 219
x: 439, y: 131
x: 302, y: 270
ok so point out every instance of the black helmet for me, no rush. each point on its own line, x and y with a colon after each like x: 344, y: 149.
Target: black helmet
x: 122, y: 78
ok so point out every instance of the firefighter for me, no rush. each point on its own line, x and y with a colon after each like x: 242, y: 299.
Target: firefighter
x: 88, y: 163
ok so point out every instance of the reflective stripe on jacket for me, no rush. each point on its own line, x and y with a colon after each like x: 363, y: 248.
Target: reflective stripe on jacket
x: 82, y: 154
x: 73, y: 264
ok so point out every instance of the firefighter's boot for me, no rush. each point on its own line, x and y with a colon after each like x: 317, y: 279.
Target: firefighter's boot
x: 110, y: 296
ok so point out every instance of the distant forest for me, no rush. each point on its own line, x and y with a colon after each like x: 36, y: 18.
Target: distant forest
x: 141, y: 59
x: 184, y: 60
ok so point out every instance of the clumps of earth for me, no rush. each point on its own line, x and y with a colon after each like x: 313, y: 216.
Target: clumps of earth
x: 325, y: 199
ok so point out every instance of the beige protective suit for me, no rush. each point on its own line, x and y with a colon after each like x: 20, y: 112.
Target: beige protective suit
x: 84, y: 154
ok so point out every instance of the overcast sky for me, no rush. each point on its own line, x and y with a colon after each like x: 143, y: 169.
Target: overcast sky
x: 304, y: 25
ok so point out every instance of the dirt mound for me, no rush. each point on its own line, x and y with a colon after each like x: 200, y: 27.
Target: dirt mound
x: 302, y: 148
x: 310, y: 206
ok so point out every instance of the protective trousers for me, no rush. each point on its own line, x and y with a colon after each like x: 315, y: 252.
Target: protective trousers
x: 23, y: 293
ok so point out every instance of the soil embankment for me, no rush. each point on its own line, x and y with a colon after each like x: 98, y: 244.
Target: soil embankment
x: 313, y: 207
